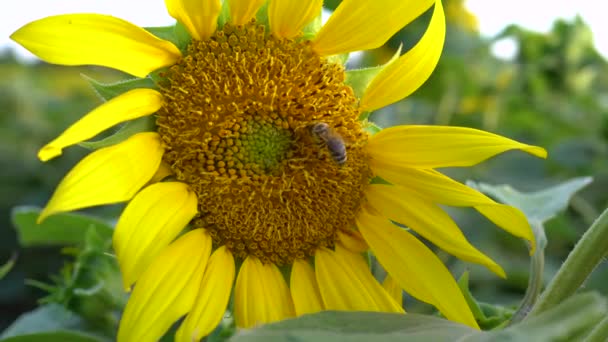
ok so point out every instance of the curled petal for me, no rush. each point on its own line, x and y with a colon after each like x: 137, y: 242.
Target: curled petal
x: 80, y: 39
x: 109, y: 175
x: 404, y: 206
x: 167, y: 289
x: 415, y: 268
x: 199, y: 16
x: 287, y: 18
x: 441, y: 189
x: 149, y: 223
x: 346, y: 283
x: 364, y: 24
x: 128, y: 106
x: 429, y: 147
x: 304, y: 289
x: 212, y: 300
x: 401, y: 78
x: 261, y: 294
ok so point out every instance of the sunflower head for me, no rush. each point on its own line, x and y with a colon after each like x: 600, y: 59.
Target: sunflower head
x: 236, y: 125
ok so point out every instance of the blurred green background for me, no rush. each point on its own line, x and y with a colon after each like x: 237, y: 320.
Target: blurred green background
x: 553, y: 93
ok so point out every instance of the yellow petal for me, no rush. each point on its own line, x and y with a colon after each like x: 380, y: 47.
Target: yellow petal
x: 393, y: 288
x: 241, y: 11
x: 167, y: 289
x: 287, y: 17
x: 347, y: 284
x: 261, y: 294
x: 401, y: 78
x: 364, y: 24
x: 212, y: 300
x: 440, y: 146
x: 304, y: 289
x: 109, y: 175
x: 149, y: 223
x: 128, y: 106
x: 441, y: 189
x: 417, y: 270
x: 427, y: 219
x: 352, y: 240
x: 79, y: 39
x: 198, y: 16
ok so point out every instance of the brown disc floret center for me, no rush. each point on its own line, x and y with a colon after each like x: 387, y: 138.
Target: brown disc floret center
x: 236, y: 125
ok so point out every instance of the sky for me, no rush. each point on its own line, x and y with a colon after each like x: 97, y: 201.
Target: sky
x: 493, y: 15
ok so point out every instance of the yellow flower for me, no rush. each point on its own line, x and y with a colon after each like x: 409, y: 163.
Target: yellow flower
x: 259, y: 150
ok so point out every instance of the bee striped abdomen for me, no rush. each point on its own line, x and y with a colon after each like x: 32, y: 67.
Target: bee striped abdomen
x: 332, y: 141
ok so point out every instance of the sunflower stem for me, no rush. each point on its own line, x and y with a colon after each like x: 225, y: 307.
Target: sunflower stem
x: 599, y: 333
x: 585, y: 256
x: 535, y: 283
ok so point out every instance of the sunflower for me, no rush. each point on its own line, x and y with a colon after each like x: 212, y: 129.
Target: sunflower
x: 254, y: 137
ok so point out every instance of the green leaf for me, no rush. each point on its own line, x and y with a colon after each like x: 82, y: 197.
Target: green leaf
x: 359, y: 79
x: 60, y: 229
x: 8, y: 266
x: 108, y: 91
x: 49, y: 321
x: 143, y: 124
x: 56, y: 336
x: 358, y: 326
x: 574, y: 317
x: 541, y: 205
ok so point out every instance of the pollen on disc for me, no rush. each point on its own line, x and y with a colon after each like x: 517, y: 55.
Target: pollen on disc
x: 236, y: 128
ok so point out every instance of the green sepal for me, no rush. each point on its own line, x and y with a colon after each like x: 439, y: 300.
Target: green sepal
x: 224, y: 15
x: 143, y: 124
x: 262, y: 16
x: 369, y: 126
x: 177, y: 34
x: 108, y: 91
x: 488, y: 316
x: 311, y: 30
x: 379, y: 180
x: 164, y: 32
x: 182, y: 36
x: 338, y: 59
x: 463, y: 284
x: 359, y: 79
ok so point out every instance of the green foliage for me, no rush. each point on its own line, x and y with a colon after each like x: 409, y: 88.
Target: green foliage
x: 539, y: 206
x: 575, y: 317
x: 49, y: 323
x: 61, y: 229
x: 111, y: 90
x: 143, y: 124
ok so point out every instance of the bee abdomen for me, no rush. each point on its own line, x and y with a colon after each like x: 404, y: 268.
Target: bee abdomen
x: 337, y: 150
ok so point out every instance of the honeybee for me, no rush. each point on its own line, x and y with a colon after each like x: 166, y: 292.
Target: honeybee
x: 332, y: 141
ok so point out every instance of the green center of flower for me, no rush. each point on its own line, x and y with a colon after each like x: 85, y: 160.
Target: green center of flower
x: 264, y: 145
x: 237, y: 124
